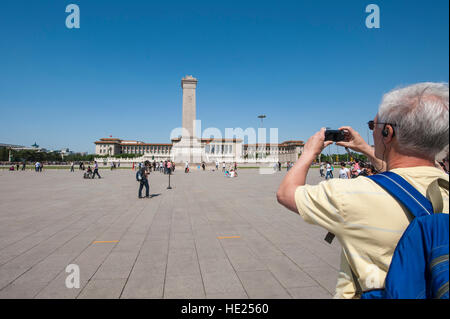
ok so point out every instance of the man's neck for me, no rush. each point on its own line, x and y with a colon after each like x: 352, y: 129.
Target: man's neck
x: 403, y: 161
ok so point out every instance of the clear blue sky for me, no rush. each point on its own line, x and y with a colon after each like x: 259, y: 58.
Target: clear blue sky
x: 305, y: 64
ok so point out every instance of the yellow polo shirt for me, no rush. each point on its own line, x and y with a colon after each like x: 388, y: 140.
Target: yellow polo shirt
x: 367, y: 221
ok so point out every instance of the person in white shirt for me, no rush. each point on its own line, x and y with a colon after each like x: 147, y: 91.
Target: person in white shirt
x: 96, y: 170
x: 329, y: 171
x: 344, y: 172
x: 322, y: 168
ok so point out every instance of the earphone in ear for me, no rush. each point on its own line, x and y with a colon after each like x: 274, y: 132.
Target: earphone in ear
x: 385, y: 131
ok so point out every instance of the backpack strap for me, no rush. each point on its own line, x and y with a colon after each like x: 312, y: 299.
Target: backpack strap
x: 434, y: 194
x: 404, y: 192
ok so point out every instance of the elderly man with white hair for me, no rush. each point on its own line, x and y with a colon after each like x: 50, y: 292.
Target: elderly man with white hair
x: 409, y: 130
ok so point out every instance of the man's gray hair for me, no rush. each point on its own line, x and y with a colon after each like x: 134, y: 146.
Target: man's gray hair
x: 420, y: 115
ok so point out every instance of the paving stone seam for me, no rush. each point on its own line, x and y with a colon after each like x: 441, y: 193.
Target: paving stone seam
x: 168, y: 249
x: 196, y: 252
x: 43, y: 228
x: 83, y: 250
x: 140, y: 248
x: 318, y: 256
x: 106, y: 257
x: 262, y: 234
x: 274, y: 276
x: 84, y: 230
x: 105, y: 228
x: 50, y: 236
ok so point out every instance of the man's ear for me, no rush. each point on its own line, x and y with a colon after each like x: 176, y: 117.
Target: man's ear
x: 388, y: 133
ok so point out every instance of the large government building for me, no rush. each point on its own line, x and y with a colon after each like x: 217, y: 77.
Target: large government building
x: 189, y: 148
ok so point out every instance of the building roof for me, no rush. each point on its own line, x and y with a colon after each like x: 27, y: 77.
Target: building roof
x: 11, y: 145
x: 299, y: 143
x: 283, y: 144
x: 209, y: 140
x: 106, y: 142
x: 148, y: 144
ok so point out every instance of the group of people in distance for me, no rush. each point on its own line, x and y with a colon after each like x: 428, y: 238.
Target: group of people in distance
x: 16, y: 167
x: 38, y: 167
x: 277, y: 166
x: 164, y: 167
x: 356, y: 169
x: 90, y: 174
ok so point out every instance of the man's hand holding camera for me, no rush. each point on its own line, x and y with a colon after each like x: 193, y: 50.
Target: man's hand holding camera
x: 345, y: 136
x: 315, y: 145
x: 296, y: 176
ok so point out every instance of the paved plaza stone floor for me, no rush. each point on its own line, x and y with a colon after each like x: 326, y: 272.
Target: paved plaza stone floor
x: 173, y: 245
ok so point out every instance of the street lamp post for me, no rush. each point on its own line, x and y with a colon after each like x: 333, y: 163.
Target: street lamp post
x: 170, y: 173
x: 261, y: 117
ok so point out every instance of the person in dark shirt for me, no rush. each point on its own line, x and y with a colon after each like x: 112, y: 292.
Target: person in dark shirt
x: 141, y: 177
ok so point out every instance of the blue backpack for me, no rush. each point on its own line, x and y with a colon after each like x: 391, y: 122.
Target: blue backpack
x: 139, y: 176
x: 419, y: 267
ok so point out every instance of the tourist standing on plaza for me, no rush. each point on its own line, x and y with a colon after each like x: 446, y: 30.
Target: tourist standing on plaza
x: 169, y: 167
x: 217, y: 165
x: 37, y: 166
x: 364, y: 216
x: 72, y: 167
x: 223, y: 167
x: 186, y: 167
x: 141, y: 177
x: 24, y: 164
x: 322, y: 168
x: 329, y: 168
x: 203, y: 166
x: 96, y: 170
x: 17, y: 167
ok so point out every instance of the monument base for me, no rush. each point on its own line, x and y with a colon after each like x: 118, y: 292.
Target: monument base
x: 188, y: 149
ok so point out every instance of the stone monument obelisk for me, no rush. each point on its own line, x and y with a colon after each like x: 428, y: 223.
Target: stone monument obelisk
x: 189, y: 85
x: 189, y: 147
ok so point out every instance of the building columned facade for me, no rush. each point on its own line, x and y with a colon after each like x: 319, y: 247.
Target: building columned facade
x: 222, y: 150
x: 116, y: 146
